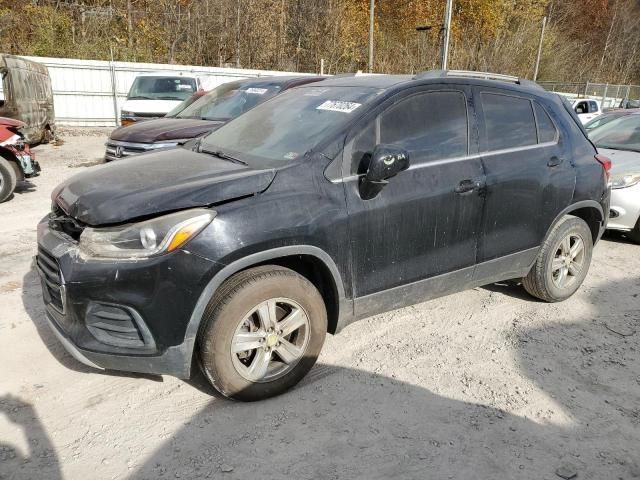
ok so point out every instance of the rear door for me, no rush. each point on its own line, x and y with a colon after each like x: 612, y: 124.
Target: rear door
x: 417, y: 227
x: 529, y: 174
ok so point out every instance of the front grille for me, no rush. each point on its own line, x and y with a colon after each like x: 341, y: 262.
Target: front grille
x: 119, y: 150
x: 148, y: 115
x: 52, y: 282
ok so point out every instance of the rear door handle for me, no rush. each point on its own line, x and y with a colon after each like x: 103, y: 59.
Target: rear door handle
x: 554, y: 161
x: 466, y: 186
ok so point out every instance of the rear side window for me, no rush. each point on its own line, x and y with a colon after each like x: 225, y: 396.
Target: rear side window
x: 508, y: 121
x: 593, y: 107
x: 546, y: 129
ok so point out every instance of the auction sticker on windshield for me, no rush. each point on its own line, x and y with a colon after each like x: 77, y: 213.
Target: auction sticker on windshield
x: 338, y: 106
x: 257, y: 91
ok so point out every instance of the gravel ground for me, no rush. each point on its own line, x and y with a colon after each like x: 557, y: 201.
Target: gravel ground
x: 485, y: 384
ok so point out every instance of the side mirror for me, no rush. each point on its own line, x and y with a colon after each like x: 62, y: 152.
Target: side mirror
x: 386, y: 162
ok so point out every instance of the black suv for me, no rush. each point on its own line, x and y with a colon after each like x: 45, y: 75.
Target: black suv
x: 326, y: 204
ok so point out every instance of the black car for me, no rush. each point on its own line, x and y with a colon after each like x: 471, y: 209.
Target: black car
x: 329, y: 203
x: 197, y: 116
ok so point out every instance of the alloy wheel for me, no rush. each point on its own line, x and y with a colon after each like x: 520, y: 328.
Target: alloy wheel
x: 270, y: 340
x: 568, y: 260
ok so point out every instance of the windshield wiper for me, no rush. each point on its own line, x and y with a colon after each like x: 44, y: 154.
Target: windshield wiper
x: 224, y: 156
x: 140, y: 97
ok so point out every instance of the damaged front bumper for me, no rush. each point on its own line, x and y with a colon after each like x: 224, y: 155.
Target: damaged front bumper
x: 129, y: 316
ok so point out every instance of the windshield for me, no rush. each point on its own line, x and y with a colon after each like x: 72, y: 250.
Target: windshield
x: 162, y: 88
x: 601, y: 120
x: 620, y: 134
x: 290, y: 125
x: 230, y: 100
x: 181, y: 106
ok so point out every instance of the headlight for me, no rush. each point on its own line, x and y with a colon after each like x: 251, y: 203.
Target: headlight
x: 124, y: 113
x: 626, y: 180
x: 145, y: 239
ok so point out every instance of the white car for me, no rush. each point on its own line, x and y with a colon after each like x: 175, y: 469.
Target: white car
x: 153, y: 95
x: 620, y: 141
x: 587, y: 109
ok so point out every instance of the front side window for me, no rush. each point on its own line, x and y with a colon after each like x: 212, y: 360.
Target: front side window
x: 162, y: 88
x: 508, y: 121
x: 430, y: 126
x: 582, y: 107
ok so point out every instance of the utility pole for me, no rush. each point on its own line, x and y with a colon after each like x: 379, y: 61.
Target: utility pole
x: 372, y: 7
x: 238, y: 37
x: 447, y: 33
x: 535, y: 73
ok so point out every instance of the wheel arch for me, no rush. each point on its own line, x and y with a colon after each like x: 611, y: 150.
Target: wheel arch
x: 309, y: 261
x: 591, y: 212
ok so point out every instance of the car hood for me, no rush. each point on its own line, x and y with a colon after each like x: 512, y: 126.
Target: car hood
x: 11, y: 122
x: 622, y: 161
x: 154, y: 183
x: 164, y: 129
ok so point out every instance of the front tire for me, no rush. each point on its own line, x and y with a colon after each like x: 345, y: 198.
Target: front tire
x: 263, y: 331
x: 8, y: 179
x: 563, y: 261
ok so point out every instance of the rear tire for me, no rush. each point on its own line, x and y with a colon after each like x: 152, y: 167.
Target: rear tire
x: 563, y: 261
x: 8, y: 179
x: 262, y: 332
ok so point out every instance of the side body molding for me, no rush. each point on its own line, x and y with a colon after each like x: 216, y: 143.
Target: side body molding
x: 345, y: 305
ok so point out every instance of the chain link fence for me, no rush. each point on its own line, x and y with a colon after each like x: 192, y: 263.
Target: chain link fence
x: 610, y: 96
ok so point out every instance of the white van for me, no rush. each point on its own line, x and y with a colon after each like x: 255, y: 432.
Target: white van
x: 153, y: 95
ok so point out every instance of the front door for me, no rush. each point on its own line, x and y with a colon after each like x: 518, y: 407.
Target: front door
x: 425, y: 222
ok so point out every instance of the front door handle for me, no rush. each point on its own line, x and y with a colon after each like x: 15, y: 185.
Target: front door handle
x: 466, y: 186
x: 554, y: 161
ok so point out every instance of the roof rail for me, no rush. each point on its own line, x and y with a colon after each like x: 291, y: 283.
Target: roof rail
x: 432, y: 74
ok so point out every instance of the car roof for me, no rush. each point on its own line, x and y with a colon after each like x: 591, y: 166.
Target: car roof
x: 388, y: 82
x: 176, y: 73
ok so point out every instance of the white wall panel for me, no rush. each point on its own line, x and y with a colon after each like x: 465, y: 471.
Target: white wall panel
x: 83, y: 90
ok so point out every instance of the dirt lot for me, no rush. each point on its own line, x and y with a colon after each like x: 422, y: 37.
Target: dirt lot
x: 485, y: 384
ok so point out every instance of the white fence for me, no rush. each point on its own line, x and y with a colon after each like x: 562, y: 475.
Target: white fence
x: 610, y: 96
x: 91, y: 92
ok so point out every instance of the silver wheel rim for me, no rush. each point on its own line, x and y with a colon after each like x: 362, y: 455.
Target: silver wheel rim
x: 568, y: 261
x: 270, y: 340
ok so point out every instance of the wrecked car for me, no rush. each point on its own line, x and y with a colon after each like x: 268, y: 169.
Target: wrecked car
x: 329, y: 203
x: 203, y: 115
x: 27, y: 96
x: 17, y: 162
